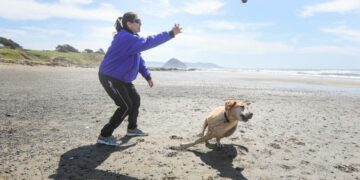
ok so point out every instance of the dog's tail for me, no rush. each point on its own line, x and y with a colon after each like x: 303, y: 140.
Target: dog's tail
x: 203, y: 130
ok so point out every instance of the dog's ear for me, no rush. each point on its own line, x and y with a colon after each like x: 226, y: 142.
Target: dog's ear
x: 247, y: 102
x: 229, y: 104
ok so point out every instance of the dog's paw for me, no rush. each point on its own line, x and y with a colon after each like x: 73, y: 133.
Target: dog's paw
x: 219, y: 145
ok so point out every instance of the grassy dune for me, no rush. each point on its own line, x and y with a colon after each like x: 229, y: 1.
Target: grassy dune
x: 36, y: 57
x: 55, y: 58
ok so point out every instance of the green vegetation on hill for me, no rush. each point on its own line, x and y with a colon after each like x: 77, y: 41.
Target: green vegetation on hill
x: 53, y: 58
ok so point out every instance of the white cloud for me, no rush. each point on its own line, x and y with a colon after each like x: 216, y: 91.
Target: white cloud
x: 344, y: 32
x: 204, y: 46
x: 94, y: 38
x: 329, y: 50
x: 38, y: 37
x: 334, y: 6
x: 232, y: 44
x: 158, y: 8
x: 203, y: 7
x: 34, y: 10
x: 45, y: 31
x: 11, y: 33
x: 76, y: 1
x: 207, y: 47
x: 25, y: 37
x: 229, y: 26
x: 97, y: 37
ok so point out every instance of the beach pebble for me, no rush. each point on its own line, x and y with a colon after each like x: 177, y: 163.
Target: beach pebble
x: 8, y: 115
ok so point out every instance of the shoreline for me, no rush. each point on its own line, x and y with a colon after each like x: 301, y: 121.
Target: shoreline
x: 349, y: 87
x: 345, y: 86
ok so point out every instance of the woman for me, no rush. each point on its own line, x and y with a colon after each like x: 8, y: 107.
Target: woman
x: 120, y: 66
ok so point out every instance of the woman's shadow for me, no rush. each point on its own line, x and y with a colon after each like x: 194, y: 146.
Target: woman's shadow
x: 221, y: 159
x: 81, y: 162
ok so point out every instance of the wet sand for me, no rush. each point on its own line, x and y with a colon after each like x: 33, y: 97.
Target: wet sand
x: 50, y: 118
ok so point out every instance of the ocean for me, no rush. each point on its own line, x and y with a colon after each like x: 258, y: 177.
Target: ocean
x: 348, y: 75
x: 326, y: 73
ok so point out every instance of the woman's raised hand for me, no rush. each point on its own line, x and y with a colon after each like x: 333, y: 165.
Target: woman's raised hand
x: 177, y: 29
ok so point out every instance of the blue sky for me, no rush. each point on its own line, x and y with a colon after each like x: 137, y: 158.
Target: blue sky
x: 322, y: 34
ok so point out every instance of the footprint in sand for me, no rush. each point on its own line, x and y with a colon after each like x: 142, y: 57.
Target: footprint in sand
x: 287, y: 167
x: 296, y: 141
x: 247, y: 140
x: 304, y: 162
x: 167, y: 177
x: 312, y: 150
x: 174, y: 137
x: 345, y: 168
x: 275, y: 146
x: 140, y: 140
x: 171, y: 154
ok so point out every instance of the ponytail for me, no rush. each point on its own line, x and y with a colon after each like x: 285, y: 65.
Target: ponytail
x: 118, y: 24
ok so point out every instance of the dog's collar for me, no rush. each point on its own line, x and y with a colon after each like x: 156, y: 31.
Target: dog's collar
x: 226, y: 117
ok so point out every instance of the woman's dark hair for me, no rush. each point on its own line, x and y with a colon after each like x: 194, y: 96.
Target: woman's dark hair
x: 121, y: 21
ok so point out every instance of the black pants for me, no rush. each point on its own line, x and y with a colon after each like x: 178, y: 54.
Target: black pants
x: 126, y: 98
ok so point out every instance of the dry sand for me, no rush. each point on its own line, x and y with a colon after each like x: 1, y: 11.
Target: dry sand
x: 50, y: 118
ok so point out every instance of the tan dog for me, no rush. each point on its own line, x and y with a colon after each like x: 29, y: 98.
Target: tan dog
x: 222, y: 122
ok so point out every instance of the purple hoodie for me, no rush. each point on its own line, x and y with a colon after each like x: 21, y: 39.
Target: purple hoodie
x: 123, y: 59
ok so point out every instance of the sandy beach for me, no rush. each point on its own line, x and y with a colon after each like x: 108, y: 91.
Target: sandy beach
x: 303, y: 127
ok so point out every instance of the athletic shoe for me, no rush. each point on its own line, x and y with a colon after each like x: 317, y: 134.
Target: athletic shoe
x: 111, y: 141
x: 136, y: 132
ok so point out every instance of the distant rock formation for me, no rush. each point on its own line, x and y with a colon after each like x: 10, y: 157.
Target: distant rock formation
x: 177, y: 64
x: 66, y: 48
x: 174, y: 63
x: 8, y: 43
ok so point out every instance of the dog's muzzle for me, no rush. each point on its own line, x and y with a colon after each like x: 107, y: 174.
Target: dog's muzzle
x: 247, y: 117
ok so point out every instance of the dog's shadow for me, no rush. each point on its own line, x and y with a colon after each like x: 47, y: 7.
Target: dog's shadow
x: 81, y: 163
x: 222, y: 160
